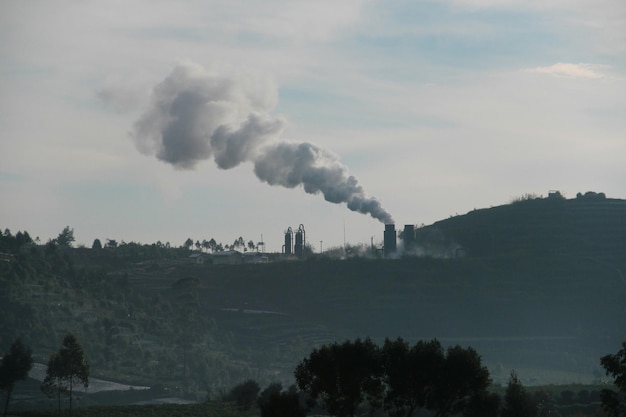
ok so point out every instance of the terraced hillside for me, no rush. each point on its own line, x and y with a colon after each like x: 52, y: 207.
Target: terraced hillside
x: 554, y: 315
x: 536, y: 286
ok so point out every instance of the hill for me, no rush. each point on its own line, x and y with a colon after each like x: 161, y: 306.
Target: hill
x: 590, y: 225
x: 537, y: 287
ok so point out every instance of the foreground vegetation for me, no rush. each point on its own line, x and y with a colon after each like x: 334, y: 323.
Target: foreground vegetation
x: 216, y: 409
x: 358, y: 378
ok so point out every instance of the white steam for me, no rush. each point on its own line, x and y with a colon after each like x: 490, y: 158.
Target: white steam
x: 195, y: 115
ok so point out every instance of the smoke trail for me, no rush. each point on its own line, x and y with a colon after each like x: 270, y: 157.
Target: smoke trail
x: 195, y: 115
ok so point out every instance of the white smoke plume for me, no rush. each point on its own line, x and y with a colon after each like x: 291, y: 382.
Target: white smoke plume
x: 195, y: 115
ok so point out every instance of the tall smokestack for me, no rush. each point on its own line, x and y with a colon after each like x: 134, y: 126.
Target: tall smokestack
x: 408, y: 236
x: 390, y: 240
x: 196, y: 115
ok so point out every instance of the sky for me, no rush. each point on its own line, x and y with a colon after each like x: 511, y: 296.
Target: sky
x: 150, y: 121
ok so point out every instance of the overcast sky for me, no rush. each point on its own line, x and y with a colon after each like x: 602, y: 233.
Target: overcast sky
x: 162, y: 120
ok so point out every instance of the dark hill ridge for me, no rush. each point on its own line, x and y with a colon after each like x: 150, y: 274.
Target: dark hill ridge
x: 540, y: 289
x: 552, y: 226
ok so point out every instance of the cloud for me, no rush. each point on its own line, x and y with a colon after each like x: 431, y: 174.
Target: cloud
x: 569, y: 70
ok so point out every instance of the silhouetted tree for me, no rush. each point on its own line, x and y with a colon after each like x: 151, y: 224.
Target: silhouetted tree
x: 410, y: 374
x: 96, y: 244
x: 14, y: 366
x: 66, y: 368
x: 21, y: 239
x: 517, y: 402
x: 244, y: 394
x: 239, y: 243
x: 274, y: 402
x: 66, y: 237
x: 614, y: 402
x: 461, y: 377
x: 343, y: 376
x: 111, y: 243
x: 54, y: 383
x: 251, y: 245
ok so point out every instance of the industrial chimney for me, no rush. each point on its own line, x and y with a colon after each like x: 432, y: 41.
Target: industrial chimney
x: 409, y: 237
x: 300, y: 241
x: 390, y: 240
x: 288, y: 246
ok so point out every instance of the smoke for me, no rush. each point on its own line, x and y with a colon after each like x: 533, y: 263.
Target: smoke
x: 196, y: 115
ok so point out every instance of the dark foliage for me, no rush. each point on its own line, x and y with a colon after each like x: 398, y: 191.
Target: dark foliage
x: 410, y: 375
x: 244, y: 394
x: 396, y: 377
x: 14, y: 366
x: 66, y: 237
x: 517, y: 402
x: 614, y: 402
x: 274, y: 402
x: 342, y: 376
x: 66, y: 368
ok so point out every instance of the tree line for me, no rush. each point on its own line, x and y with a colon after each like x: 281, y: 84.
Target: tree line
x: 402, y: 380
x: 348, y: 379
x: 10, y: 243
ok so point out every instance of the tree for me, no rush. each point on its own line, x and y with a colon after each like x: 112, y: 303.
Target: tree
x: 14, y: 366
x: 410, y: 375
x: 614, y: 402
x: 96, y: 244
x: 517, y: 402
x: 274, y: 402
x: 66, y: 368
x: 426, y: 377
x: 251, y: 245
x: 239, y: 243
x: 343, y: 376
x: 111, y: 243
x: 54, y: 384
x: 244, y: 394
x: 188, y: 243
x: 66, y: 237
x: 461, y: 377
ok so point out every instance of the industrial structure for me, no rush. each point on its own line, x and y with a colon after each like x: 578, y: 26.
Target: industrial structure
x: 389, y: 241
x: 408, y: 236
x: 295, y: 242
x: 288, y: 246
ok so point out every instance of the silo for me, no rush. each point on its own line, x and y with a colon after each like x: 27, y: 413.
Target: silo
x: 288, y: 247
x: 300, y: 241
x: 390, y: 239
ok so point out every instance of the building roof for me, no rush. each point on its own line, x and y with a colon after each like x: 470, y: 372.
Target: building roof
x: 228, y: 253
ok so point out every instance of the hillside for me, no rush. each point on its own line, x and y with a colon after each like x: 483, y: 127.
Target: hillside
x: 537, y: 287
x: 588, y: 226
